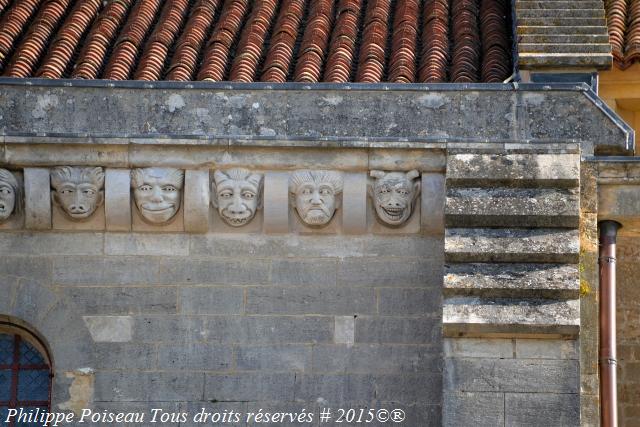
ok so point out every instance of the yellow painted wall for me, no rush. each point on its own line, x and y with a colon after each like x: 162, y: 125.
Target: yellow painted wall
x: 621, y: 91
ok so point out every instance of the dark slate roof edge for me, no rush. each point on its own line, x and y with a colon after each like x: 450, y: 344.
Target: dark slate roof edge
x: 164, y: 84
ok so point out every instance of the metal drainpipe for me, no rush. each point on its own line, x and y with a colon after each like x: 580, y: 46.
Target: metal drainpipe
x: 608, y: 357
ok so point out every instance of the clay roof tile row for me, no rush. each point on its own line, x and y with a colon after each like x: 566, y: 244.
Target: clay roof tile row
x: 401, y: 41
x: 623, y: 20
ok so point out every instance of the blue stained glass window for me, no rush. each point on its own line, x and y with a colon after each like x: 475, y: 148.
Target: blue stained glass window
x: 5, y: 385
x: 4, y: 411
x: 33, y: 385
x: 6, y: 349
x: 29, y: 355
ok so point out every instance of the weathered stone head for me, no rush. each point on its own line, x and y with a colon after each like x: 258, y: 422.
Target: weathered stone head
x: 10, y: 195
x: 315, y: 195
x: 237, y: 194
x: 78, y: 191
x: 157, y: 193
x: 394, y: 195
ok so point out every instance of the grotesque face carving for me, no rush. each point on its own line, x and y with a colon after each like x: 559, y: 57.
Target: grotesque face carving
x: 236, y: 194
x: 394, y: 194
x: 315, y: 195
x: 78, y: 191
x: 157, y: 192
x: 10, y: 194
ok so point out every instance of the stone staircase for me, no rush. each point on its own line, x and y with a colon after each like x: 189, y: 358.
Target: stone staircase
x: 512, y: 244
x: 562, y: 33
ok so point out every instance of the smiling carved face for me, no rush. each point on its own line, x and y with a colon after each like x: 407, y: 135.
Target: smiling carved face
x: 236, y: 195
x: 157, y: 193
x: 394, y: 194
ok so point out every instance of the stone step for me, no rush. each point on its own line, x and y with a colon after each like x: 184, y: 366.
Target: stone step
x: 554, y: 4
x: 554, y: 60
x: 576, y: 38
x: 561, y: 21
x: 469, y: 316
x: 557, y: 30
x: 554, y: 281
x: 564, y: 48
x: 560, y: 13
x: 512, y: 207
x: 513, y: 170
x: 542, y: 245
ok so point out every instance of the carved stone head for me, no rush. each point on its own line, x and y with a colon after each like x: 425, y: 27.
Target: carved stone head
x: 78, y: 191
x: 315, y: 195
x: 237, y: 194
x: 394, y: 195
x: 157, y: 193
x: 10, y: 195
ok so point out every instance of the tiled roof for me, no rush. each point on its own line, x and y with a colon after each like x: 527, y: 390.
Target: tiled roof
x: 623, y: 19
x: 372, y: 41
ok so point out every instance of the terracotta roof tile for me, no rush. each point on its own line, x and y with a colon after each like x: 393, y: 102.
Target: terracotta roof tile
x: 401, y: 41
x: 623, y: 20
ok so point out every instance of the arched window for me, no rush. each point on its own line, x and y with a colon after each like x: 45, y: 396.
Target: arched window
x: 25, y: 372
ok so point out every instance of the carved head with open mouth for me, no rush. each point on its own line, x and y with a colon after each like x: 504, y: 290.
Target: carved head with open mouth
x: 315, y: 195
x: 394, y: 195
x: 157, y: 193
x: 78, y: 191
x: 237, y: 194
x: 10, y: 195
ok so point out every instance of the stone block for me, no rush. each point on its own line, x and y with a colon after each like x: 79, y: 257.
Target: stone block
x: 276, y: 202
x: 512, y: 375
x: 512, y: 317
x: 195, y: 357
x: 354, y: 203
x: 134, y: 386
x: 211, y: 300
x: 122, y: 300
x: 37, y: 199
x: 281, y: 357
x: 28, y: 243
x: 512, y: 207
x: 408, y: 302
x: 310, y: 300
x: 473, y: 409
x: 320, y: 272
x: 125, y: 356
x: 433, y: 204
x: 513, y: 170
x: 542, y: 409
x: 620, y: 203
x: 400, y: 330
x: 344, y: 330
x: 170, y: 245
x: 512, y: 280
x: 409, y: 388
x: 429, y: 247
x: 110, y: 328
x: 33, y: 299
x: 117, y: 199
x: 93, y: 271
x: 215, y: 271
x: 334, y: 389
x: 371, y: 272
x: 546, y: 349
x: 377, y: 359
x: 268, y: 329
x: 169, y: 329
x: 28, y: 267
x: 250, y: 387
x: 512, y: 245
x: 479, y: 347
x: 196, y: 201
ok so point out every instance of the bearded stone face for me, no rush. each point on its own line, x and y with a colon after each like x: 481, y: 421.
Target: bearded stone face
x: 157, y: 193
x: 394, y: 195
x: 77, y: 191
x: 236, y: 194
x: 315, y: 195
x: 9, y: 194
